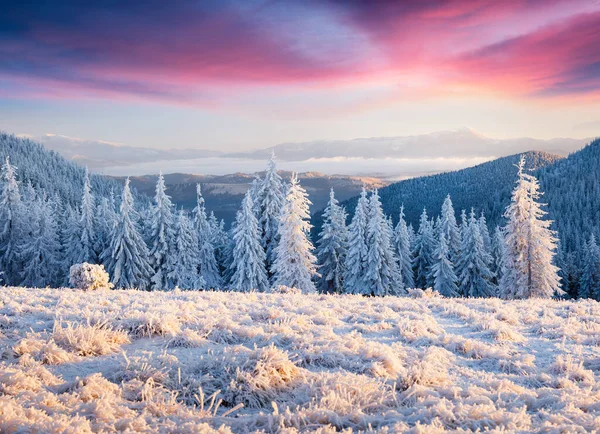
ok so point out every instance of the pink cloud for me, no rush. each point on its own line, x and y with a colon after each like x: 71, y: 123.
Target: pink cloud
x: 188, y: 54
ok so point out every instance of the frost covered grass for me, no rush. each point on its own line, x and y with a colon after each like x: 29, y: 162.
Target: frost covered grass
x: 76, y: 361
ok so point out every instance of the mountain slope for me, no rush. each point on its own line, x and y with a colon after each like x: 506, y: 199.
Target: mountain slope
x: 485, y: 187
x: 571, y: 189
x: 50, y: 171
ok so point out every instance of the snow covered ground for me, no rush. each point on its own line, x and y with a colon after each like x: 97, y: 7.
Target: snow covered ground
x: 80, y: 362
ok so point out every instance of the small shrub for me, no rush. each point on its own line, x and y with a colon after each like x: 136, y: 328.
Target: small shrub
x: 422, y: 293
x: 89, y: 277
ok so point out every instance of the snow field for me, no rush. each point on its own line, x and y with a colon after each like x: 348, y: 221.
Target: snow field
x: 130, y: 361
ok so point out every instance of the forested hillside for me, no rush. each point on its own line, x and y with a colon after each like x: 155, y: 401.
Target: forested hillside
x: 571, y: 192
x: 49, y: 171
x: 485, y: 187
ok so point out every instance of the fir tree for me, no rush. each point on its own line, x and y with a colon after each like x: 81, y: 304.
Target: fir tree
x: 530, y: 244
x: 356, y: 257
x: 498, y: 250
x: 87, y: 238
x: 184, y: 273
x: 382, y: 275
x: 423, y: 253
x: 127, y: 258
x: 271, y: 198
x: 473, y: 266
x: 485, y: 233
x: 331, y: 247
x: 294, y: 264
x: 41, y: 250
x: 248, y: 266
x: 449, y: 228
x: 105, y: 221
x: 442, y: 270
x: 589, y: 283
x: 11, y: 223
x: 207, y: 266
x: 220, y: 242
x: 162, y: 236
x: 403, y: 251
x: 71, y: 236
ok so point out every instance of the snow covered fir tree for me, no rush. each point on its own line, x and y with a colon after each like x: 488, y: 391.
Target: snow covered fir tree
x: 529, y: 269
x: 295, y: 264
x: 49, y: 222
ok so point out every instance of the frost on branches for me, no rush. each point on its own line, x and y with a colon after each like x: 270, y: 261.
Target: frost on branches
x: 356, y: 257
x: 207, y: 262
x: 248, y: 255
x: 530, y: 244
x: 162, y: 234
x: 294, y: 264
x: 332, y: 246
x: 270, y: 199
x: 128, y: 261
x: 473, y: 265
x: 89, y: 277
x: 86, y: 223
x: 403, y: 251
x: 382, y: 271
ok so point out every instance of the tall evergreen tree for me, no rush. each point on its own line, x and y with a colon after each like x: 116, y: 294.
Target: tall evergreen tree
x: 220, y: 241
x: 423, y: 253
x: 41, y: 249
x: 530, y: 244
x: 271, y: 198
x: 498, y: 250
x: 442, y: 270
x: 248, y: 265
x: 356, y: 257
x: 449, y: 228
x: 485, y: 233
x: 128, y: 256
x: 71, y: 236
x: 331, y: 247
x: 473, y: 266
x: 11, y: 223
x: 162, y: 238
x: 382, y: 272
x: 87, y: 227
x: 403, y: 251
x: 105, y: 221
x: 294, y: 264
x: 207, y: 266
x: 184, y: 271
x: 589, y: 284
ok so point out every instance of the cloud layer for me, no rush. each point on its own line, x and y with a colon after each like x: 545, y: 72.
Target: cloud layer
x: 189, y: 52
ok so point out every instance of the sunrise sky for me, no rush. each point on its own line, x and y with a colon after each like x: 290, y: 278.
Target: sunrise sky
x: 238, y: 75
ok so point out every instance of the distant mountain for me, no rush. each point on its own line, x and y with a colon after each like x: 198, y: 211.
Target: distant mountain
x: 460, y: 143
x: 389, y: 157
x: 97, y: 154
x: 223, y: 194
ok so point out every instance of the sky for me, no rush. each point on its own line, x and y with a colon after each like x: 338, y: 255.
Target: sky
x: 238, y: 75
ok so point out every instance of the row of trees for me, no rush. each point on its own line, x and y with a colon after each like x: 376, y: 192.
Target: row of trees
x: 268, y: 245
x: 369, y: 257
